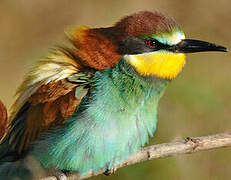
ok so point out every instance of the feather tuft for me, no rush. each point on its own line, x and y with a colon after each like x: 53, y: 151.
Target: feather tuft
x: 56, y: 66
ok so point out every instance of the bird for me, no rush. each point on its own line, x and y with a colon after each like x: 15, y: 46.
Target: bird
x: 88, y: 107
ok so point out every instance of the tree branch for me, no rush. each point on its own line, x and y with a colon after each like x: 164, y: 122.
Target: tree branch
x: 187, y: 146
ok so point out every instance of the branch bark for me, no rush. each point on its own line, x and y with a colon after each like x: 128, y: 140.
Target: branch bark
x: 187, y: 146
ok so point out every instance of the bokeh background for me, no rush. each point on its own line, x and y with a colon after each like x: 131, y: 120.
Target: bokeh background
x: 197, y: 103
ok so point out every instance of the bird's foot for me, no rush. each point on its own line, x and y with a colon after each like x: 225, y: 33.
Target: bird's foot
x: 66, y: 172
x: 192, y: 141
x: 61, y: 175
x: 109, y: 172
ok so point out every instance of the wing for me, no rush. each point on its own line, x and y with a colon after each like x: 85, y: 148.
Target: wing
x: 51, y: 92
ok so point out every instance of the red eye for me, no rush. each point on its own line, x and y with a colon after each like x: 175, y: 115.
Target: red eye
x: 151, y: 44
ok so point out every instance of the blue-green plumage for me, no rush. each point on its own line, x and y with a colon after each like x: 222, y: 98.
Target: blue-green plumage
x: 113, y: 121
x: 89, y: 108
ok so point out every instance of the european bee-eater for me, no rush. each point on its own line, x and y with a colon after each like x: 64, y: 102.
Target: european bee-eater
x: 89, y: 107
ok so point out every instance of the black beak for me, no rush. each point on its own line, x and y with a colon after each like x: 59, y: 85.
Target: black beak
x: 191, y: 46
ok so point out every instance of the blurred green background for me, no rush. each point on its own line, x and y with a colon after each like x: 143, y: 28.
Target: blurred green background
x: 197, y: 102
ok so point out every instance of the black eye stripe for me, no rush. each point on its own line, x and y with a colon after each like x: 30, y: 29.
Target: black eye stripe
x: 134, y: 45
x: 155, y: 44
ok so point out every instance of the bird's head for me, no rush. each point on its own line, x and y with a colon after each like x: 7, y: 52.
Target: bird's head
x: 152, y: 43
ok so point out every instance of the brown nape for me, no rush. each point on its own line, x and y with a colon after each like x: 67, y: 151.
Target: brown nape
x: 96, y: 50
x: 98, y: 47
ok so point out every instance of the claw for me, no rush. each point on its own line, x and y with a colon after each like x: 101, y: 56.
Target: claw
x: 60, y: 175
x: 192, y: 141
x: 109, y: 172
x: 189, y: 139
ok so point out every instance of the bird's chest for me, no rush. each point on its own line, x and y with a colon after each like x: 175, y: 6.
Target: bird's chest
x: 122, y: 120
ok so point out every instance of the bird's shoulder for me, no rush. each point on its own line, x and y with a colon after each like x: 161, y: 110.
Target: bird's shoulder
x: 49, y: 94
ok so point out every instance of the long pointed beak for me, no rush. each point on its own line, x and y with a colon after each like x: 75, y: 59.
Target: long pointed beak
x: 192, y: 46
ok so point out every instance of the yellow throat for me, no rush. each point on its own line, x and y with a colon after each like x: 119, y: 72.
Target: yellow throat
x: 166, y: 65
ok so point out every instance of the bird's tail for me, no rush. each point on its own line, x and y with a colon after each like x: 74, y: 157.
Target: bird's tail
x: 3, y: 119
x: 10, y: 167
x: 14, y: 170
x: 3, y: 128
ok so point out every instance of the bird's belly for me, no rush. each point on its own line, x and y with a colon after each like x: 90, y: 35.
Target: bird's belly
x: 99, y: 140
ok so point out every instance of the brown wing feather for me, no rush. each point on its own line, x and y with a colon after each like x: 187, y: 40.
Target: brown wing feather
x: 45, y: 99
x: 50, y: 106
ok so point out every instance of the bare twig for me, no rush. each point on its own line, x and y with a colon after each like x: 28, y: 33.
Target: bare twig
x: 187, y: 146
